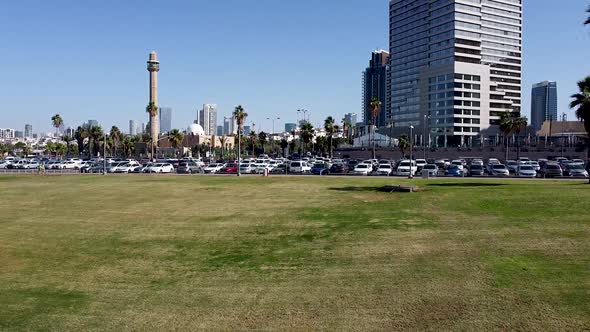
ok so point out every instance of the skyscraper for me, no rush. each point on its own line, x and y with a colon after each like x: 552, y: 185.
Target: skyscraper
x: 229, y: 125
x: 208, y: 118
x: 28, y: 131
x: 543, y: 104
x: 247, y: 130
x: 290, y: 127
x: 143, y: 127
x: 132, y: 128
x: 219, y: 130
x: 92, y: 123
x: 455, y: 66
x: 165, y: 114
x: 375, y: 86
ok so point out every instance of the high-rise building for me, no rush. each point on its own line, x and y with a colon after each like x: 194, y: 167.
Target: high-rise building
x: 290, y: 127
x: 165, y: 114
x: 132, y: 128
x: 247, y: 130
x: 28, y: 131
x: 219, y: 130
x: 19, y: 134
x: 375, y: 86
x: 543, y: 104
x: 229, y: 125
x: 92, y: 123
x: 208, y: 118
x: 351, y: 118
x: 455, y: 67
x: 143, y: 127
x: 71, y: 132
x: 7, y: 133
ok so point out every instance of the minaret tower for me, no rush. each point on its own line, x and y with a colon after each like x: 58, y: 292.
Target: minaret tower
x: 153, y: 66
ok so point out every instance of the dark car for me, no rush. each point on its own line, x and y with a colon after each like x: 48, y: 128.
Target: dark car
x: 551, y: 170
x: 229, y: 169
x: 454, y: 170
x: 338, y: 169
x: 280, y: 169
x: 319, y: 169
x: 188, y: 167
x: 476, y: 170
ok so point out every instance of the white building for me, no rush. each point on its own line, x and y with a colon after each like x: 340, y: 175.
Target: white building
x: 208, y: 118
x: 7, y: 133
x: 456, y: 66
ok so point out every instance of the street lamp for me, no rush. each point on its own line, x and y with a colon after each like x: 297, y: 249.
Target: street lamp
x: 411, y: 176
x: 104, y: 155
x: 272, y: 142
x: 426, y: 117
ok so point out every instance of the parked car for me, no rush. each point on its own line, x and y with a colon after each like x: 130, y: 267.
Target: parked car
x: 406, y: 168
x: 246, y: 168
x: 338, y: 169
x: 432, y: 170
x: 575, y: 170
x: 231, y: 168
x: 299, y: 167
x: 512, y: 166
x: 161, y: 168
x: 384, y: 170
x: 213, y: 168
x: 454, y: 170
x: 526, y: 171
x: 476, y: 170
x: 420, y: 163
x: 363, y: 169
x: 319, y: 168
x: 459, y: 163
x: 188, y: 167
x: 551, y: 170
x: 499, y: 170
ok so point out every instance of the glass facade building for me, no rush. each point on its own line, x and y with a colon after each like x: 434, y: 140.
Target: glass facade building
x: 165, y: 120
x: 543, y: 104
x: 455, y: 67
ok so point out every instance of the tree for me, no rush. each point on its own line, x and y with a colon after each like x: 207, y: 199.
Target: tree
x: 223, y: 142
x: 23, y: 147
x: 81, y: 135
x: 253, y: 138
x: 307, y: 133
x: 588, y: 20
x: 116, y: 137
x: 375, y: 108
x: 284, y: 146
x: 96, y: 135
x: 152, y: 110
x: 56, y: 121
x: 262, y: 137
x: 128, y: 146
x: 240, y: 116
x: 175, y: 137
x: 518, y: 125
x: 321, y: 145
x: 506, y: 127
x: 330, y: 129
x: 68, y: 140
x: 581, y: 103
x: 404, y: 144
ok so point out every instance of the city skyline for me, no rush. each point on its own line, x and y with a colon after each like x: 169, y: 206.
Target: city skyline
x: 125, y: 81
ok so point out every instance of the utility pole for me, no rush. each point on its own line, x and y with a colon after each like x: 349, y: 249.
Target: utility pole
x: 104, y: 155
x: 411, y: 176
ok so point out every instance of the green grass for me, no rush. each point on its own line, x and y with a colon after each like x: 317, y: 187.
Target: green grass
x: 222, y: 253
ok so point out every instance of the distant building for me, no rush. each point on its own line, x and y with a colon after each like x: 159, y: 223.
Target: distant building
x: 228, y: 125
x: 92, y: 123
x: 375, y: 86
x: 19, y: 134
x: 351, y: 118
x: 165, y: 114
x: 28, y: 131
x: 543, y: 104
x: 208, y: 118
x: 290, y: 127
x: 247, y: 130
x: 132, y: 128
x: 143, y: 128
x: 219, y: 130
x: 70, y: 132
x: 7, y: 133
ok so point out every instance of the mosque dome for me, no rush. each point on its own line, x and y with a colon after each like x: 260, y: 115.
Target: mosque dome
x: 196, y: 130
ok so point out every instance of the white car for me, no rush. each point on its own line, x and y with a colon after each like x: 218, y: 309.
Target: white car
x: 246, y: 168
x: 535, y: 165
x: 212, y: 168
x: 384, y: 169
x: 3, y: 164
x: 477, y: 162
x: 362, y: 169
x: 420, y: 163
x: 161, y: 168
x: 300, y: 167
x: 407, y: 168
x: 71, y: 165
x: 126, y: 167
x: 32, y: 165
x: 459, y: 164
x: 526, y: 171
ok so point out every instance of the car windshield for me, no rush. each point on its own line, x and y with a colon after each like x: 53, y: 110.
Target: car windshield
x: 319, y: 165
x: 576, y: 166
x: 526, y: 168
x: 553, y: 167
x: 362, y: 166
x: 499, y: 167
x: 430, y: 167
x: 385, y: 166
x: 405, y: 164
x: 475, y: 166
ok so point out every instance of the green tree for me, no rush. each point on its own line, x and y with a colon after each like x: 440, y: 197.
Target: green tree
x: 588, y: 20
x: 307, y: 133
x: 56, y: 121
x: 240, y: 116
x: 329, y: 126
x: 506, y: 127
x: 25, y: 150
x: 404, y: 144
x: 128, y: 145
x: 68, y: 140
x: 175, y: 137
x: 375, y: 109
x: 262, y: 138
x: 223, y: 141
x: 321, y: 145
x: 253, y: 138
x: 284, y: 146
x: 81, y: 134
x: 96, y: 135
x: 115, y: 135
x: 581, y: 103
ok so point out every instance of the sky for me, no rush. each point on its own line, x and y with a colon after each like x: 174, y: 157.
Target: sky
x: 87, y: 59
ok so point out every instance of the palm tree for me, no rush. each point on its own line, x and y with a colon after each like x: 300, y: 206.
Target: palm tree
x: 375, y: 108
x: 128, y: 145
x: 262, y: 137
x: 240, y: 116
x: 115, y: 134
x: 330, y: 129
x: 518, y: 125
x: 56, y: 121
x: 588, y: 20
x: 81, y: 135
x: 152, y: 110
x: 506, y: 127
x: 581, y: 102
x: 306, y: 134
x: 175, y: 137
x: 404, y: 144
x: 68, y: 140
x: 253, y: 137
x: 284, y: 146
x: 95, y: 135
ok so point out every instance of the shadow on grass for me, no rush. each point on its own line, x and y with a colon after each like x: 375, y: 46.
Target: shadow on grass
x: 467, y: 184
x: 357, y: 189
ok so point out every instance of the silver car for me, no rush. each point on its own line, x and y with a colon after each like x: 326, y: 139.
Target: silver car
x: 500, y: 170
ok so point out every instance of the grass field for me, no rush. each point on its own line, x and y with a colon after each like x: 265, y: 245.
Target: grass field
x: 216, y: 253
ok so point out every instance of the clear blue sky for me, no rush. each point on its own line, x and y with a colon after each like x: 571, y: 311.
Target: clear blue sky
x: 86, y: 59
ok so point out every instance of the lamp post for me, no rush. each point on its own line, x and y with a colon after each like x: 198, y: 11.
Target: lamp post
x: 272, y: 142
x: 411, y: 176
x: 104, y: 155
x: 426, y: 117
